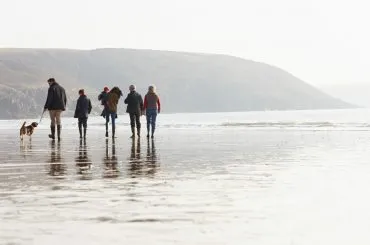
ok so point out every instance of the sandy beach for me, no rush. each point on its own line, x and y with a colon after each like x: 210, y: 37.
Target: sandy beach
x: 196, y: 185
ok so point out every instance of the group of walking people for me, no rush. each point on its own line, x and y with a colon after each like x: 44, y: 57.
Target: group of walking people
x: 136, y: 107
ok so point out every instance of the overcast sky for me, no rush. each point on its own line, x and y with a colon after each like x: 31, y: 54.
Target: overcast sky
x: 320, y: 41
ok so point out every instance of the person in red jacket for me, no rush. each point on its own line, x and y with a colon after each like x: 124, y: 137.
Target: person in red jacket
x: 152, y: 106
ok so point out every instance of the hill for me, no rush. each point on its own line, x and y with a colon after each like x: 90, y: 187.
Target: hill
x: 186, y: 82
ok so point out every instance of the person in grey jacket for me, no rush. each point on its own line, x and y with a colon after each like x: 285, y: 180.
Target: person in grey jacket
x: 135, y: 106
x: 83, y: 109
x: 56, y: 103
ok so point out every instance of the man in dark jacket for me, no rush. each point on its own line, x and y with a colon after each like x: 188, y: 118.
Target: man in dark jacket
x: 55, y: 103
x: 83, y: 109
x: 135, y: 105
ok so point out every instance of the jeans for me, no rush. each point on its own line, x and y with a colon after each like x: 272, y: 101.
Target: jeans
x: 113, y: 117
x: 151, y: 117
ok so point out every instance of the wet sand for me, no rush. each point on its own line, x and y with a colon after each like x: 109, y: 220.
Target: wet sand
x: 186, y: 186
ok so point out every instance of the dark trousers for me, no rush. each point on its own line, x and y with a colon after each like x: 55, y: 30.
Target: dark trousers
x: 135, y: 118
x: 82, y: 122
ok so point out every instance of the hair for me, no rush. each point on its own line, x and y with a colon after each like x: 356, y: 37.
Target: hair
x: 151, y: 89
x: 51, y: 80
x: 116, y: 90
x: 81, y: 91
x: 132, y: 88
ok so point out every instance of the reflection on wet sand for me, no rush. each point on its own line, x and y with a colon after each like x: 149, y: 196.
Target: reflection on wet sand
x: 83, y: 163
x: 139, y: 166
x: 151, y: 158
x: 110, y: 162
x: 25, y: 148
x: 57, y: 168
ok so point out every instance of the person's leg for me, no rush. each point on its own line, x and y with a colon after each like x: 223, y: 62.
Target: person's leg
x: 80, y: 126
x: 113, y: 117
x: 138, y: 124
x: 154, y: 119
x: 148, y: 122
x: 52, y: 124
x: 107, y: 115
x: 84, y: 124
x: 132, y: 123
x: 58, y: 122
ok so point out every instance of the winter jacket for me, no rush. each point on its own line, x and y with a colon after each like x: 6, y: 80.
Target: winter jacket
x: 83, y: 107
x: 57, y: 99
x: 103, y: 97
x: 134, y: 103
x: 151, y: 101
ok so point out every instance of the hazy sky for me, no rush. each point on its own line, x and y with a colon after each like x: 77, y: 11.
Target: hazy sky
x: 320, y: 41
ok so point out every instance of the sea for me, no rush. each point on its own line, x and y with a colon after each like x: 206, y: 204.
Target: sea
x: 271, y: 177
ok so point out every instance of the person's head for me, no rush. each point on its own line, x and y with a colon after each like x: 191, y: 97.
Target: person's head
x: 51, y: 81
x: 132, y: 88
x: 106, y: 89
x: 151, y: 89
x: 81, y: 92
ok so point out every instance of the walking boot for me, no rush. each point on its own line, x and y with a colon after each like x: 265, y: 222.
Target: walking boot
x: 59, y: 128
x: 52, y: 135
x: 133, y: 132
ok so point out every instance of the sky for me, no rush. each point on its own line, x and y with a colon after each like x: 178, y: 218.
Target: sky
x: 323, y: 42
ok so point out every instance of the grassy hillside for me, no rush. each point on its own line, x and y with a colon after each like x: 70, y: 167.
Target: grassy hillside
x: 186, y: 82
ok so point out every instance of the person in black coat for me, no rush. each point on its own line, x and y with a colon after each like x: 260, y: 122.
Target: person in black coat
x: 135, y: 106
x: 56, y: 103
x: 83, y: 109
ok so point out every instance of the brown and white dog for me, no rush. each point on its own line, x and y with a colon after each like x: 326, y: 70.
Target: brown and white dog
x: 27, y: 130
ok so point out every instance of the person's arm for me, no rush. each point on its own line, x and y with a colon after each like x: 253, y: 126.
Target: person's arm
x: 77, y: 107
x: 49, y: 99
x: 90, y: 107
x: 126, y: 100
x: 141, y: 102
x: 159, y: 104
x: 65, y: 99
x: 145, y: 102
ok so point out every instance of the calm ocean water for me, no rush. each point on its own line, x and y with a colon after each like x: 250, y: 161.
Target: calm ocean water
x: 223, y: 178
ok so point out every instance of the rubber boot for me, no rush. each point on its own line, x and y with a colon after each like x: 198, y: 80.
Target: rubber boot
x: 80, y: 131
x: 52, y: 135
x: 59, y: 128
x: 133, y: 132
x: 84, y: 133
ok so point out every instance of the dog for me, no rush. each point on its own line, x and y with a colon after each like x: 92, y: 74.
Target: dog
x: 27, y: 130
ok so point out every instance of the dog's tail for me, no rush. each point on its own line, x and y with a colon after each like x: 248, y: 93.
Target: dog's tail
x: 24, y: 124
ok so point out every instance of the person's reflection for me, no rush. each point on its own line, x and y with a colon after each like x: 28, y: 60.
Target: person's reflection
x: 151, y: 161
x: 83, y: 162
x: 56, y: 167
x: 110, y: 162
x: 135, y: 162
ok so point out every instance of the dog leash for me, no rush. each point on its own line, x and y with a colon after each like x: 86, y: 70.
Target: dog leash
x: 42, y: 114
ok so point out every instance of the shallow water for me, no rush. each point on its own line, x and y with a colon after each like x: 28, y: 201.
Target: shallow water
x: 190, y: 185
